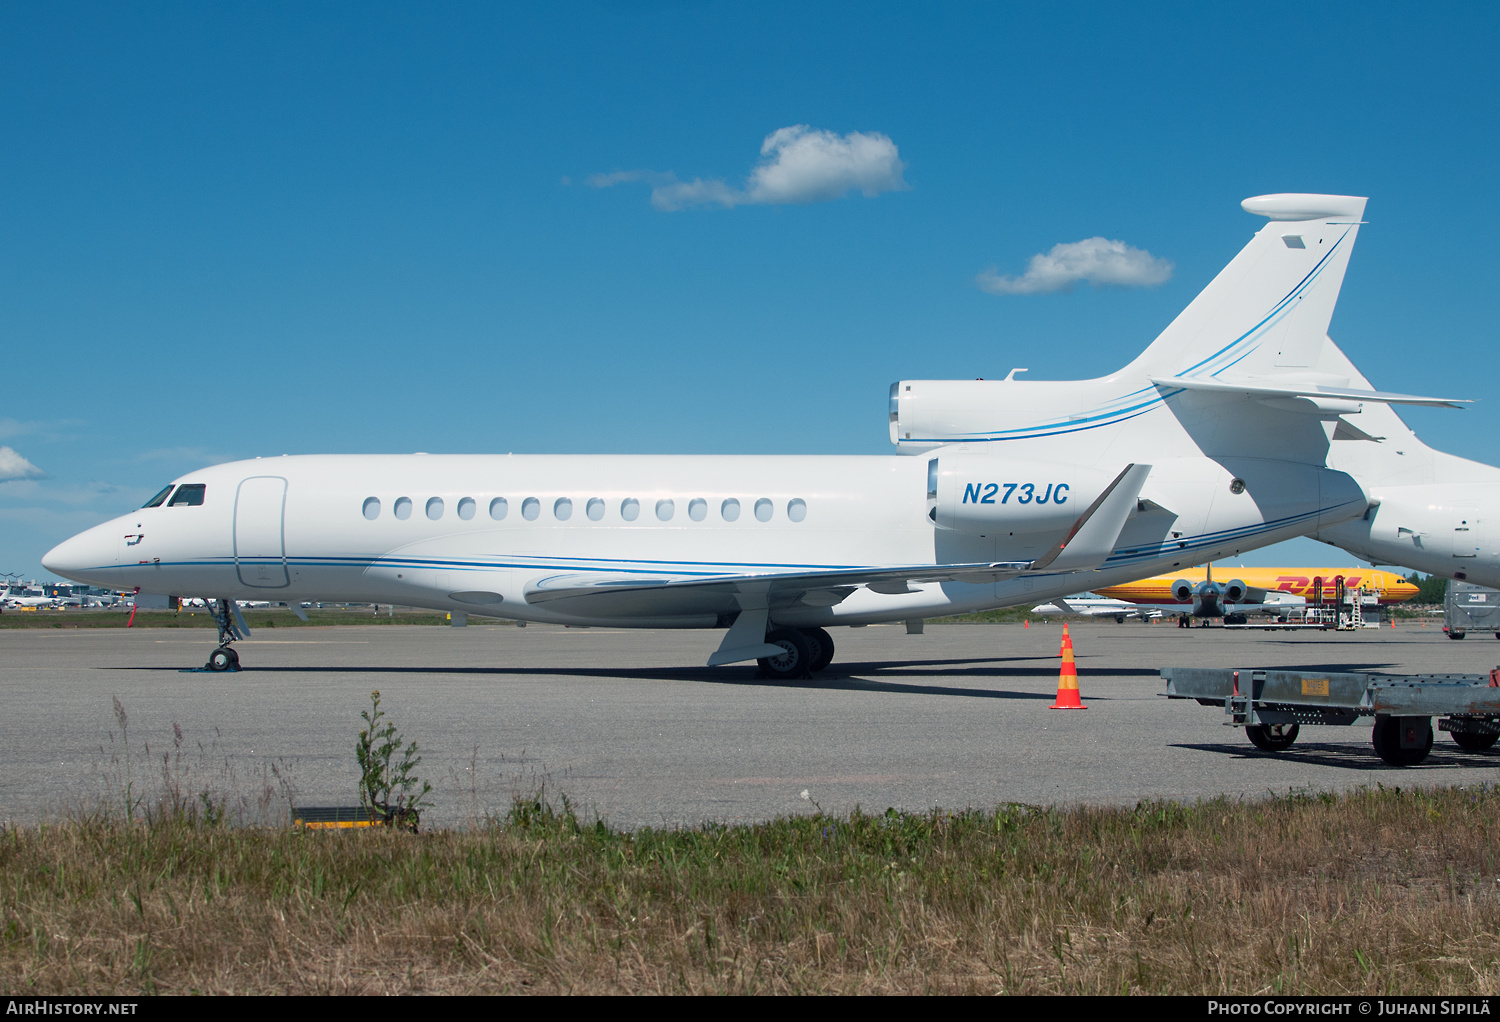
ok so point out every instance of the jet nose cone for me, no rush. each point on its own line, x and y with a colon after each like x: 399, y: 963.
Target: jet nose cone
x: 83, y: 555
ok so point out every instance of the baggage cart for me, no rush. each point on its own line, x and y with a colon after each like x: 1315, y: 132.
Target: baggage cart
x: 1470, y: 608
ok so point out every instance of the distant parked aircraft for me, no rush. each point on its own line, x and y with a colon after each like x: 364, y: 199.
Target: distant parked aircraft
x: 1248, y: 587
x: 1094, y: 606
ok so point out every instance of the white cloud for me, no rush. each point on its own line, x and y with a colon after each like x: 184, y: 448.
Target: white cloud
x: 798, y: 164
x: 13, y: 466
x: 1099, y: 261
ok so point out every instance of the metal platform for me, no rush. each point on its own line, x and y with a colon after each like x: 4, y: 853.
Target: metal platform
x: 1272, y: 705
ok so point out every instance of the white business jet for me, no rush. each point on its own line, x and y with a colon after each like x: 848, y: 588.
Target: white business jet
x: 1095, y: 606
x: 32, y: 602
x: 1002, y: 493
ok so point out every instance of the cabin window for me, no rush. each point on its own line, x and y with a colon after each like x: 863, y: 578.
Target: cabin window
x: 763, y: 510
x: 531, y: 509
x: 157, y: 500
x: 698, y: 509
x: 402, y: 508
x: 730, y: 509
x: 435, y: 508
x: 595, y: 509
x: 372, y: 508
x: 188, y: 495
x: 498, y: 507
x: 562, y: 510
x: 466, y: 508
x: 796, y: 510
x: 630, y: 509
x: 665, y: 509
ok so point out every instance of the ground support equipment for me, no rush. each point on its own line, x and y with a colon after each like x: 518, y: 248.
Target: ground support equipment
x: 1273, y: 705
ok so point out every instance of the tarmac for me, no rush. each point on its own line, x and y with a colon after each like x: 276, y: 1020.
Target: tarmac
x: 631, y: 728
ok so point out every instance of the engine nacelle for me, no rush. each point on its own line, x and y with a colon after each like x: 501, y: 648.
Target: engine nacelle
x: 1182, y: 590
x: 988, y: 495
x: 1235, y: 590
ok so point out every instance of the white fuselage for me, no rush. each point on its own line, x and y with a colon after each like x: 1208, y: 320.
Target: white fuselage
x: 326, y: 528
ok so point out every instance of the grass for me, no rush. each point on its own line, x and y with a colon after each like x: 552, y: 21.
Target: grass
x: 1379, y: 891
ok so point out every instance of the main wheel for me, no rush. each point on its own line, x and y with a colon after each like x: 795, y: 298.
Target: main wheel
x: 796, y: 662
x: 223, y: 659
x: 821, y: 644
x: 1272, y: 737
x: 1471, y: 742
x: 1386, y: 737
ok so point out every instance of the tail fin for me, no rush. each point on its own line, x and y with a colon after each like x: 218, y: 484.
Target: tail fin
x: 1269, y: 309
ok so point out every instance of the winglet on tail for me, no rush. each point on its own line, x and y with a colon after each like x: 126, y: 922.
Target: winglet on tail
x: 1092, y: 538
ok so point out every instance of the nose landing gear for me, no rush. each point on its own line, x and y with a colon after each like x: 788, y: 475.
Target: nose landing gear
x: 231, y: 627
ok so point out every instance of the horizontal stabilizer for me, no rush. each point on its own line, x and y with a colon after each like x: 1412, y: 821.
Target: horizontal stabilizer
x: 1259, y: 388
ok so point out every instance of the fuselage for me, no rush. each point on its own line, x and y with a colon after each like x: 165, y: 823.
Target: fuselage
x: 480, y: 534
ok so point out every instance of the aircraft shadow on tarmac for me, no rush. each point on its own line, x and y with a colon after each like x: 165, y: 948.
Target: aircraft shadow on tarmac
x: 1353, y: 757
x: 852, y: 677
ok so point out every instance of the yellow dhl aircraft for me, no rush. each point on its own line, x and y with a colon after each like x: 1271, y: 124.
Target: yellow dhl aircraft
x: 1255, y: 588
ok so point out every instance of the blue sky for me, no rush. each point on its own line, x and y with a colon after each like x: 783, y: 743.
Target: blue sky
x: 252, y: 229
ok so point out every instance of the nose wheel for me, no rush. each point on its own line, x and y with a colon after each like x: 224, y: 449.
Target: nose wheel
x: 231, y: 627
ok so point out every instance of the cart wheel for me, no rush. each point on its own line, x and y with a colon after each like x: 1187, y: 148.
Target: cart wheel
x: 1272, y: 737
x: 1472, y: 742
x: 1386, y: 737
x: 1460, y: 635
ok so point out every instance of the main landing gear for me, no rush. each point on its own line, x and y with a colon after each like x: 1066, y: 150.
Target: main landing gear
x: 807, y: 650
x: 226, y: 657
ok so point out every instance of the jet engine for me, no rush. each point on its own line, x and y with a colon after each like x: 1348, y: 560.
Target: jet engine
x: 1209, y: 597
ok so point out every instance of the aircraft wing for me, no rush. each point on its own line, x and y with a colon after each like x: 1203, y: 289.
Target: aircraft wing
x: 604, y: 594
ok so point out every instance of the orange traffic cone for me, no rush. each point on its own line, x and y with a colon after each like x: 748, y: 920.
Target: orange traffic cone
x: 1026, y: 623
x: 1067, y: 678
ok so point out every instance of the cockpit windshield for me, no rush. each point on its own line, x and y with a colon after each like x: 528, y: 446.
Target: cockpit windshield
x: 156, y: 501
x: 188, y: 495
